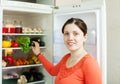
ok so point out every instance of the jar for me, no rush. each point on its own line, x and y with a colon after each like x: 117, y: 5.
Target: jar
x: 9, y: 28
x: 12, y: 29
x: 5, y: 30
x: 18, y: 27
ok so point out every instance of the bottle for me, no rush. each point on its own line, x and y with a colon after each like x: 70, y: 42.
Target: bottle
x: 18, y: 26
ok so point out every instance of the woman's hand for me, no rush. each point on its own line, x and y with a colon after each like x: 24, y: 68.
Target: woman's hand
x: 36, y: 48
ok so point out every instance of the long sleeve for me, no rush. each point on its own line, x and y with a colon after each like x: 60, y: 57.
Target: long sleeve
x: 52, y: 69
x: 92, y: 72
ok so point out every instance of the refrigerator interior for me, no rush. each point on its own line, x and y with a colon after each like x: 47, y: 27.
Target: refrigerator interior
x: 31, y: 20
x: 91, y: 44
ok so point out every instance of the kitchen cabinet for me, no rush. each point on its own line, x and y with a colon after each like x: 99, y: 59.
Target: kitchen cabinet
x: 50, y: 16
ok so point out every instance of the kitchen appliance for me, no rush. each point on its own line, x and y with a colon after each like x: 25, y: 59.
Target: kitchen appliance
x: 52, y: 18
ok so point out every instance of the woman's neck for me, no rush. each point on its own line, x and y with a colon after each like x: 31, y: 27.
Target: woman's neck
x: 75, y: 57
x: 78, y: 53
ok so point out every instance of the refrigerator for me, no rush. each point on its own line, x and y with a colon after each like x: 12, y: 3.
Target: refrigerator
x: 92, y: 12
x: 95, y: 19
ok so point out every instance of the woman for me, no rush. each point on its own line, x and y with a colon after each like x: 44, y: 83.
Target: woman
x: 76, y: 67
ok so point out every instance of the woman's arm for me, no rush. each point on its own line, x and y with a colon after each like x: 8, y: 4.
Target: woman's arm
x: 52, y: 69
x: 92, y: 71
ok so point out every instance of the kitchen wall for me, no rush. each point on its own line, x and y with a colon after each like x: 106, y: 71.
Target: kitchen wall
x: 113, y: 41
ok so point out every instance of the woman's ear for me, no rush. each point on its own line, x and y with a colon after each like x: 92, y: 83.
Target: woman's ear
x: 85, y: 37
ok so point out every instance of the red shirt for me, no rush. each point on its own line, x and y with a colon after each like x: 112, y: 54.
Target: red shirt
x: 86, y: 71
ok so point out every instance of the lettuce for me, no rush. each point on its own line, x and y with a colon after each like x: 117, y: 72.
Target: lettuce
x: 24, y: 42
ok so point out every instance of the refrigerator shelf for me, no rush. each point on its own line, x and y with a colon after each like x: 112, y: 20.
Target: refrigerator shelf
x: 20, y: 48
x: 34, y: 82
x: 42, y: 81
x: 18, y: 34
x: 22, y: 66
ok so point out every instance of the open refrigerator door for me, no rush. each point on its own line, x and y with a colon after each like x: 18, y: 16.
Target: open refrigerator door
x: 94, y: 17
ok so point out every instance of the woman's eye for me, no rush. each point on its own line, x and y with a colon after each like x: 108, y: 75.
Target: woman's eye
x: 66, y: 33
x: 75, y: 34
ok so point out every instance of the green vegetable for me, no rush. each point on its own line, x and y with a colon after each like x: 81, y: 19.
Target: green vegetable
x: 24, y: 42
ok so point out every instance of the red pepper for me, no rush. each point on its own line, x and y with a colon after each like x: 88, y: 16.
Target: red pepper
x: 14, y: 44
x: 8, y: 59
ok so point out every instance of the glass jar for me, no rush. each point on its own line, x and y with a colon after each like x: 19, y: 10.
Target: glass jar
x: 8, y: 27
x: 18, y: 27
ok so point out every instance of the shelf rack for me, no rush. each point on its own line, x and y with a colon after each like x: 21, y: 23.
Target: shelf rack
x: 22, y: 66
x: 42, y: 81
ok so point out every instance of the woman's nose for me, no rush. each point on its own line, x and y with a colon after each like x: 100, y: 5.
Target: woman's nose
x: 71, y: 37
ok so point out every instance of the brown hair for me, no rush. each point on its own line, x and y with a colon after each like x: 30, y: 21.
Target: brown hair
x: 78, y: 22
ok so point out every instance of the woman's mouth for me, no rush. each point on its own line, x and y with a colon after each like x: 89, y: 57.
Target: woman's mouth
x: 71, y: 43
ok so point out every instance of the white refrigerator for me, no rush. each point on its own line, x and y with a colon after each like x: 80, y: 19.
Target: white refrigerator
x: 94, y: 17
x: 51, y: 19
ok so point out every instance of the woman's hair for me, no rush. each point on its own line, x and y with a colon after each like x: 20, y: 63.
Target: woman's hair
x: 78, y: 22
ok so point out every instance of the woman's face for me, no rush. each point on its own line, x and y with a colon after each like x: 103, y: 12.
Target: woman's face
x: 73, y: 37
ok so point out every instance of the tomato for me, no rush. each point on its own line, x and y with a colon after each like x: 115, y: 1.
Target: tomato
x: 14, y: 44
x: 16, y: 63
